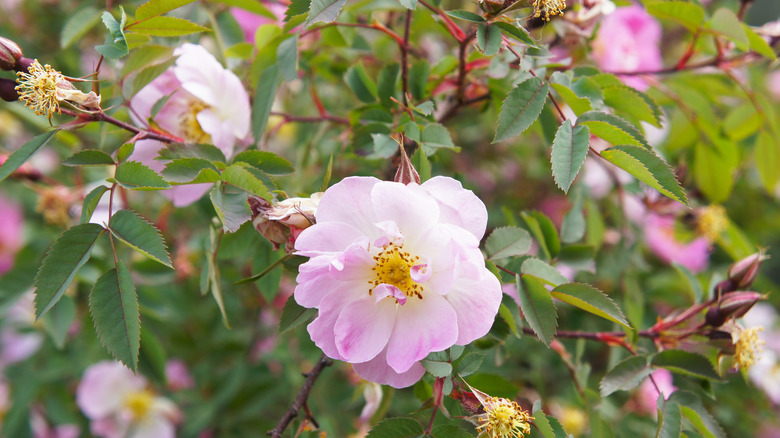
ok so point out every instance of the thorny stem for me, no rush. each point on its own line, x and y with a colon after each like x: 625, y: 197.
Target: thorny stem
x: 300, y: 399
x: 438, y: 396
x: 103, y: 117
x: 405, y: 58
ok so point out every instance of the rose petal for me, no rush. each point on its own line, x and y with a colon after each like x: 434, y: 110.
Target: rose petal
x: 321, y: 329
x: 364, y: 327
x: 377, y: 370
x: 457, y: 205
x: 476, y: 304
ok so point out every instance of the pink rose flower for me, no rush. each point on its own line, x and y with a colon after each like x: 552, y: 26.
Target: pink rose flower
x: 249, y: 22
x: 41, y: 428
x: 661, y: 239
x: 17, y: 341
x: 120, y: 405
x: 178, y: 375
x: 10, y: 233
x: 647, y: 395
x: 208, y: 104
x: 396, y: 273
x: 628, y: 40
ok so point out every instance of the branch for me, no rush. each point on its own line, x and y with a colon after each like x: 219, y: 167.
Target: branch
x: 141, y: 133
x: 300, y: 399
x: 302, y: 119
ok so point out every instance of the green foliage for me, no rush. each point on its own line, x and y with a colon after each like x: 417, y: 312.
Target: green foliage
x: 166, y: 27
x: 24, y: 153
x: 294, y: 315
x: 507, y: 242
x: 68, y: 253
x: 521, y: 108
x: 153, y: 8
x: 136, y: 176
x: 114, y: 308
x: 590, y: 299
x: 612, y: 129
x: 685, y: 362
x: 648, y: 168
x: 129, y: 227
x: 625, y: 376
x: 116, y: 43
x: 324, y: 10
x: 568, y: 153
x: 396, y: 428
x: 690, y: 15
x: 537, y: 306
x: 89, y: 157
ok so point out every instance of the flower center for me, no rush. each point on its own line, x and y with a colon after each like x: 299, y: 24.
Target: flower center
x: 712, y: 222
x: 505, y: 419
x: 190, y: 128
x: 38, y: 88
x: 748, y: 348
x: 548, y: 7
x: 139, y: 403
x: 394, y: 266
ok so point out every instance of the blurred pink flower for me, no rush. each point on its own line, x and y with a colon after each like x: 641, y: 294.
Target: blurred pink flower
x: 10, y: 233
x: 17, y: 341
x: 647, y: 395
x: 249, y: 21
x: 208, y: 104
x: 120, y: 405
x: 628, y: 40
x: 396, y: 273
x: 178, y: 375
x: 41, y: 428
x: 661, y: 239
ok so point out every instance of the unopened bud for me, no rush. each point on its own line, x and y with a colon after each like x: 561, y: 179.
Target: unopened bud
x: 744, y: 272
x: 732, y: 305
x: 406, y: 172
x: 281, y: 223
x: 492, y: 6
x: 10, y: 53
x: 8, y: 90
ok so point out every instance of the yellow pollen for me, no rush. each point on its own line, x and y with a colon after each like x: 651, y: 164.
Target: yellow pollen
x: 712, y: 222
x: 190, y: 128
x: 38, y: 88
x: 548, y: 8
x: 139, y: 403
x: 54, y: 205
x: 393, y: 267
x: 504, y: 419
x: 748, y: 348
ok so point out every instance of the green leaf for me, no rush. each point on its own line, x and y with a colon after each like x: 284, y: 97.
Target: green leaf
x: 669, y: 421
x: 578, y: 104
x: 324, y: 10
x: 268, y: 162
x: 116, y: 44
x: 232, y: 208
x: 542, y: 271
x: 521, y: 108
x: 191, y: 171
x: 437, y: 369
x: 690, y: 15
x: 297, y: 7
x: 590, y: 299
x: 136, y: 176
x: 568, y: 153
x: 244, y: 176
x: 24, y: 153
x: 287, y: 58
x: 180, y: 150
x: 167, y: 27
x: 507, y: 242
x: 633, y: 103
x: 548, y: 426
x: 574, y: 225
x: 129, y: 227
x: 517, y: 32
x: 78, y: 24
x: 360, y: 84
x: 386, y: 83
x: 727, y: 24
x: 396, y: 428
x: 435, y: 136
x: 91, y: 202
x: 144, y: 56
x: 693, y: 409
x: 758, y: 44
x: 59, y: 320
x: 488, y: 39
x: 124, y: 152
x: 626, y: 375
x: 697, y: 293
x: 612, y: 129
x: 466, y: 16
x: 450, y: 431
x: 647, y: 167
x: 537, y: 306
x: 114, y: 308
x: 469, y: 364
x: 153, y: 8
x: 264, y: 99
x: 713, y: 172
x: 89, y: 157
x: 213, y: 283
x: 543, y: 230
x: 68, y: 253
x: 767, y: 159
x: 150, y: 73
x: 293, y: 315
x: 685, y: 362
x: 418, y: 78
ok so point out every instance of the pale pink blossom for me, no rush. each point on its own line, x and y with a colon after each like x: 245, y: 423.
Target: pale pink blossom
x: 17, y: 340
x: 396, y: 273
x: 647, y: 395
x: 10, y: 233
x: 662, y: 241
x: 249, y: 22
x: 178, y: 375
x: 42, y: 429
x: 208, y: 104
x: 628, y: 40
x: 119, y: 404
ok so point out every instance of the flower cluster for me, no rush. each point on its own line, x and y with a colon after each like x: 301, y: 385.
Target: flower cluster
x: 396, y: 273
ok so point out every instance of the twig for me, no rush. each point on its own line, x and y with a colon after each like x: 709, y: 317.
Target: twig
x: 405, y: 58
x: 103, y: 117
x: 303, y: 119
x: 300, y: 399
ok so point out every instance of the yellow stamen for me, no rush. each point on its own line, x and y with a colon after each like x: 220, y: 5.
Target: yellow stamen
x: 748, y: 348
x: 504, y: 419
x: 548, y: 8
x: 139, y: 403
x: 38, y: 88
x: 190, y: 128
x: 393, y: 266
x: 712, y: 222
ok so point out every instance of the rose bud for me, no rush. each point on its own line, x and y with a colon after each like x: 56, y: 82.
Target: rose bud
x: 744, y: 272
x: 10, y: 53
x: 732, y: 305
x: 281, y: 223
